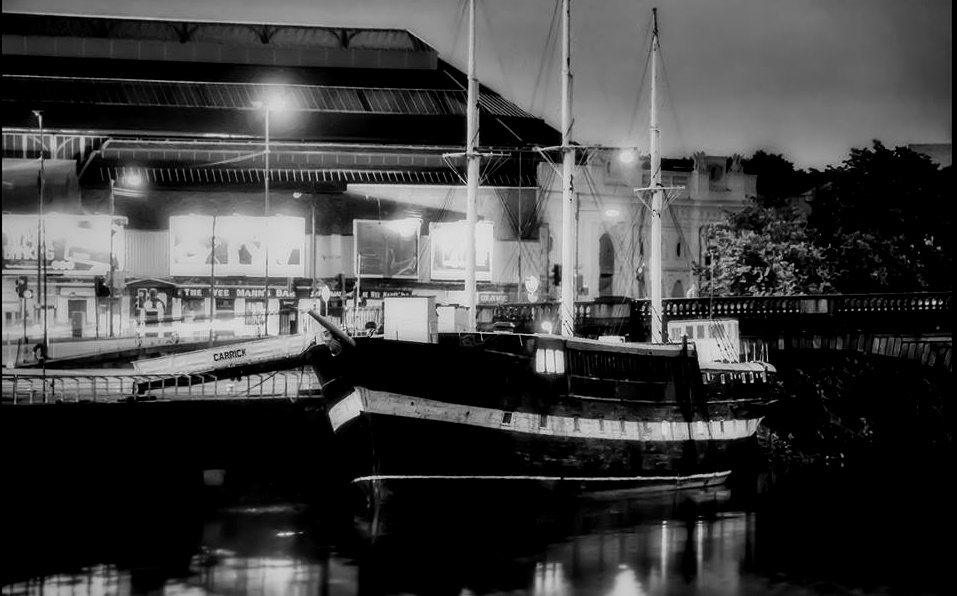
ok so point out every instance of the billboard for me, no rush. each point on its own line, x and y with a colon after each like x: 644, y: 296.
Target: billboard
x: 240, y: 243
x: 75, y: 244
x: 448, y: 250
x: 387, y: 249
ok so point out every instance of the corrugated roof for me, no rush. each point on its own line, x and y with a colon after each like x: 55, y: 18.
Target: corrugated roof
x: 291, y: 36
x: 242, y: 96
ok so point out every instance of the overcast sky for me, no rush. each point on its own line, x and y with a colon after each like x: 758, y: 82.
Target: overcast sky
x: 806, y: 78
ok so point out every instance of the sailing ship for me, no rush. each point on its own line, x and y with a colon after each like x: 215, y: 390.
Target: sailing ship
x: 585, y: 413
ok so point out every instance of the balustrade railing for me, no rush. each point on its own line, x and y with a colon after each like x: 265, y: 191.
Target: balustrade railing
x: 586, y: 313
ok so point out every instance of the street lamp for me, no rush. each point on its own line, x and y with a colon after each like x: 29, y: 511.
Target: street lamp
x: 42, y: 253
x: 271, y: 104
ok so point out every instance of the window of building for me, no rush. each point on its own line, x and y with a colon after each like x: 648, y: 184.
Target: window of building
x: 255, y: 312
x: 678, y: 290
x: 678, y: 249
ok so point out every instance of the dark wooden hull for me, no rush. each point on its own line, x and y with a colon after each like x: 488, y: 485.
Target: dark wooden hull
x: 398, y: 449
x: 415, y: 413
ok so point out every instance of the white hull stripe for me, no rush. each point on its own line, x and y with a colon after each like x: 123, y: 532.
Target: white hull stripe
x: 675, y: 479
x: 393, y: 404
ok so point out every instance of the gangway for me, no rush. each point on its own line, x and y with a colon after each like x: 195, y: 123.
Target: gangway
x: 231, y: 361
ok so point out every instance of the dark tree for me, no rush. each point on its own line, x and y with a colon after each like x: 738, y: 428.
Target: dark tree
x: 777, y: 181
x: 884, y: 223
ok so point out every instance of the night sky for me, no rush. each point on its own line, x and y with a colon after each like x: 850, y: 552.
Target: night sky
x: 806, y: 78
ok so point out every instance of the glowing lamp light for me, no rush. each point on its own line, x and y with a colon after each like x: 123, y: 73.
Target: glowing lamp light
x: 297, y: 195
x: 627, y: 156
x: 612, y: 213
x: 275, y: 102
x: 547, y: 327
x: 132, y: 180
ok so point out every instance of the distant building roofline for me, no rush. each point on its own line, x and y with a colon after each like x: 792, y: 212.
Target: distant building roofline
x: 276, y: 34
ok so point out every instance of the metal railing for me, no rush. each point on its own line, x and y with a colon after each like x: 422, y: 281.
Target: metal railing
x: 28, y: 386
x: 726, y: 306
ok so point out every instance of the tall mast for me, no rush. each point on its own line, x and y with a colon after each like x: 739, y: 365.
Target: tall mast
x: 472, y: 175
x: 567, y: 305
x: 657, y: 200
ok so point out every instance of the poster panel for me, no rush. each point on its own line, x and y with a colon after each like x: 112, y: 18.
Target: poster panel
x: 447, y: 249
x: 240, y: 245
x: 75, y: 244
x: 387, y: 249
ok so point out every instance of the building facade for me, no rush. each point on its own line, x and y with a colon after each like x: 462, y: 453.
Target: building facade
x: 175, y: 180
x: 614, y: 227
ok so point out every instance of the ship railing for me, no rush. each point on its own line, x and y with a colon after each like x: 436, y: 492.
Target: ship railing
x: 31, y: 386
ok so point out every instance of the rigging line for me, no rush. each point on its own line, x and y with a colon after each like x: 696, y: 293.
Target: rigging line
x: 548, y: 53
x: 498, y: 57
x: 618, y: 243
x: 455, y: 170
x: 459, y: 38
x: 229, y: 161
x: 671, y: 100
x: 503, y: 199
x: 543, y: 194
x: 641, y: 84
x: 681, y: 237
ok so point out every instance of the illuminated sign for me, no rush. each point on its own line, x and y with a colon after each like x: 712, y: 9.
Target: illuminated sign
x: 447, y: 249
x: 240, y: 243
x: 230, y: 293
x: 388, y: 249
x: 75, y: 244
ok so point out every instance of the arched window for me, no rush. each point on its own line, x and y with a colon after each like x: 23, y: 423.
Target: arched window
x: 678, y: 290
x: 606, y: 265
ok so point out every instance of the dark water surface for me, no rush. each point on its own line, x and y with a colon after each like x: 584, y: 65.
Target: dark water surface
x: 829, y: 535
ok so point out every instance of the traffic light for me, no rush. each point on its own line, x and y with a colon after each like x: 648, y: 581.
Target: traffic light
x: 102, y: 290
x: 22, y: 286
x: 556, y: 275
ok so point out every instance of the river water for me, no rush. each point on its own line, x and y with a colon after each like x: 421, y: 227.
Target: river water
x: 790, y: 536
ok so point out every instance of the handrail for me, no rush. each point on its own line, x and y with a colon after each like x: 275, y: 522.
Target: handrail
x: 731, y: 306
x: 21, y: 386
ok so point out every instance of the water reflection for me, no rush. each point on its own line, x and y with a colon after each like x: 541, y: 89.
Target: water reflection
x: 703, y: 543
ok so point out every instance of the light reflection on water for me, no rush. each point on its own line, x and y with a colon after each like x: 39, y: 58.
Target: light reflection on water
x: 605, y: 548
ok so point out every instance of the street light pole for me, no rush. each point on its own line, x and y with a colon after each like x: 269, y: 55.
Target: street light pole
x: 42, y: 254
x: 112, y: 286
x: 212, y: 281
x: 267, y: 232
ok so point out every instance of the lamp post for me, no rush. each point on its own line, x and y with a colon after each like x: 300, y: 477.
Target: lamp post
x: 42, y: 253
x: 112, y: 267
x: 271, y: 104
x: 212, y: 281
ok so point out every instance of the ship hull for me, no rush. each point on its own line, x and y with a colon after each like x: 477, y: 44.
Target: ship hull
x: 393, y: 439
x: 585, y: 417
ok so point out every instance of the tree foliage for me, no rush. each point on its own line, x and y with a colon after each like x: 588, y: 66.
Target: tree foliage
x: 879, y: 222
x: 883, y: 221
x: 764, y: 251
